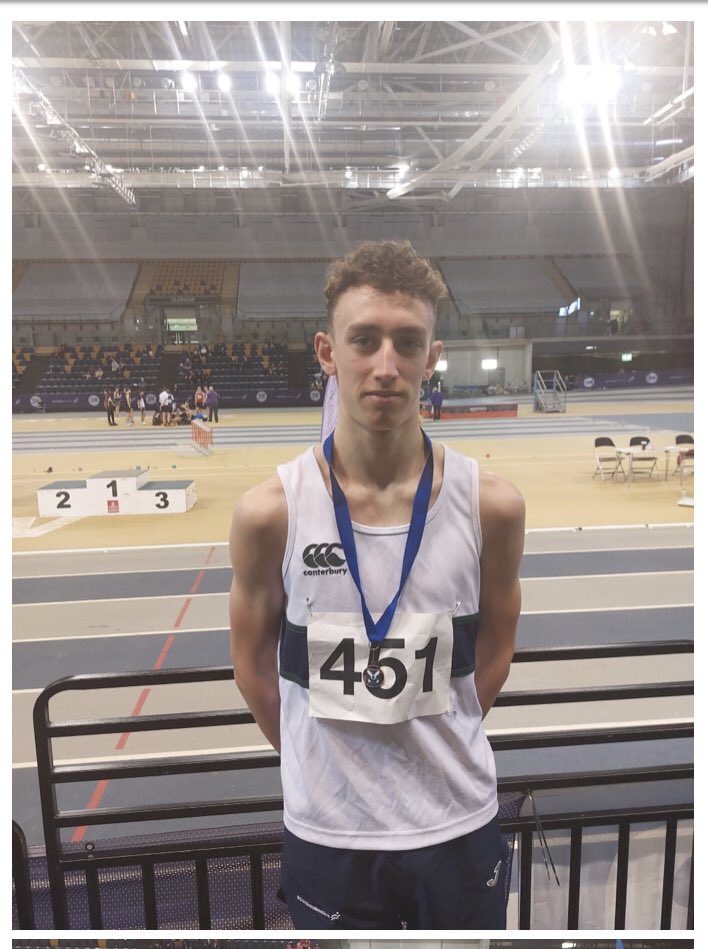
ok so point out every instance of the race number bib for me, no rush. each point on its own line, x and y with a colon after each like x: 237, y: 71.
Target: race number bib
x: 415, y: 657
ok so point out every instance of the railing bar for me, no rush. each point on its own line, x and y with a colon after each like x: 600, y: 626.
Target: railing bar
x: 165, y: 812
x: 576, y: 843
x: 149, y: 895
x: 622, y: 874
x: 21, y: 878
x: 93, y: 896
x: 257, y: 891
x: 172, y: 721
x: 667, y: 890
x: 526, y: 864
x: 604, y: 651
x: 689, y: 910
x: 67, y: 774
x: 203, y: 905
x: 597, y: 694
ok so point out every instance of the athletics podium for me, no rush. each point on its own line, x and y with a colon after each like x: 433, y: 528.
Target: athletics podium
x: 115, y: 492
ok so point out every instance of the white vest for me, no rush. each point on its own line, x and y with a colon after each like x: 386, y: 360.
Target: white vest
x: 357, y: 785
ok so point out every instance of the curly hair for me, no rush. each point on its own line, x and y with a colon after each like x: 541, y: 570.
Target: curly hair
x: 387, y: 266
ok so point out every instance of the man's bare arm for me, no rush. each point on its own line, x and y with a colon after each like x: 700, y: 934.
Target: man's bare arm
x: 257, y: 600
x: 502, y: 514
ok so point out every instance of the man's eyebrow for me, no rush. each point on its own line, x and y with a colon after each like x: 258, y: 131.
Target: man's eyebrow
x: 375, y: 328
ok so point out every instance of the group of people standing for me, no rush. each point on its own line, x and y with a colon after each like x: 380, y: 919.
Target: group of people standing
x: 117, y: 399
x: 168, y: 411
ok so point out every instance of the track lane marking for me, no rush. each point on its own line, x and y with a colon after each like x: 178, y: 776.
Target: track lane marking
x: 102, y: 785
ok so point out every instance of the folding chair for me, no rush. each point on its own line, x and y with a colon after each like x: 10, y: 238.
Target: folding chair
x: 644, y: 461
x: 609, y: 462
x: 684, y: 458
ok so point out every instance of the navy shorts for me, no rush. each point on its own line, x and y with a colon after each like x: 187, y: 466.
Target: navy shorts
x: 459, y: 884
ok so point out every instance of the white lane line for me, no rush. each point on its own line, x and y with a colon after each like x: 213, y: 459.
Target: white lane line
x: 117, y: 550
x: 608, y: 609
x: 125, y: 572
x: 147, y: 632
x: 120, y: 599
x: 606, y: 550
x: 595, y: 726
x: 110, y: 759
x: 606, y: 527
x: 603, y: 576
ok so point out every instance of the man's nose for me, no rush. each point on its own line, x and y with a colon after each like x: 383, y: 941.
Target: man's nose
x: 386, y: 362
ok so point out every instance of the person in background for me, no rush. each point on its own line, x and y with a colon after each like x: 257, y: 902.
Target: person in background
x: 436, y: 400
x: 212, y: 404
x: 110, y: 406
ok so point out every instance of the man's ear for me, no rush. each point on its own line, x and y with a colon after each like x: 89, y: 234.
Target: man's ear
x: 436, y: 349
x: 324, y: 350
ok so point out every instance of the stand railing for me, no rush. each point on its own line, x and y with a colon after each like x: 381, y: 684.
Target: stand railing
x: 226, y: 878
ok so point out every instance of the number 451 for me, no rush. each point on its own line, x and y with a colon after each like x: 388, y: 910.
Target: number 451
x: 349, y: 676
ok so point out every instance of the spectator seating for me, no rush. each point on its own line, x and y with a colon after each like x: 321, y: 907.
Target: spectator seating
x: 188, y: 278
x: 88, y: 368
x: 21, y: 356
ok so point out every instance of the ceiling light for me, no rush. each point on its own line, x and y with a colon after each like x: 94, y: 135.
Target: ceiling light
x: 614, y: 173
x: 221, y: 168
x: 182, y: 27
x: 41, y: 167
x: 489, y: 364
x: 667, y: 29
x: 224, y: 82
x: 441, y: 365
x: 188, y: 81
x: 272, y: 83
x: 589, y: 84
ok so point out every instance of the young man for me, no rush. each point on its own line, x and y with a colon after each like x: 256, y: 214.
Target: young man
x: 373, y: 614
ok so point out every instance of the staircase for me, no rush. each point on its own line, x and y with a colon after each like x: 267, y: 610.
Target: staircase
x: 168, y: 372
x: 549, y: 391
x: 36, y: 368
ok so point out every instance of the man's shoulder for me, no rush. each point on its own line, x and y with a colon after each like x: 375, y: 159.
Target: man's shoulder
x: 499, y: 499
x: 262, y: 507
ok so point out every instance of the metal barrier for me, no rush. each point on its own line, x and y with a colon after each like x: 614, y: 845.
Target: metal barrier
x: 244, y: 856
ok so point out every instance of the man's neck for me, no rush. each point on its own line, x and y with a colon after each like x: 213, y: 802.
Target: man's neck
x: 378, y: 458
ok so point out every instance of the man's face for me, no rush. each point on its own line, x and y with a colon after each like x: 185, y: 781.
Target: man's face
x: 380, y: 347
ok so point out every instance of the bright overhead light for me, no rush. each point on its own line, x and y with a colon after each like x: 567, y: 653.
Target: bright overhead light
x: 188, y: 81
x: 441, y: 365
x: 182, y: 27
x: 626, y: 357
x: 489, y: 364
x: 272, y: 83
x: 224, y: 82
x: 589, y: 84
x: 41, y: 167
x: 614, y: 173
x: 668, y: 29
x: 221, y: 168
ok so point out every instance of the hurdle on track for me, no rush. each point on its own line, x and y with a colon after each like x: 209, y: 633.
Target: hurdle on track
x: 202, y: 437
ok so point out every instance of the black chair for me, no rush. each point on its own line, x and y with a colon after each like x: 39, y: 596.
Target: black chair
x: 644, y: 461
x: 608, y: 461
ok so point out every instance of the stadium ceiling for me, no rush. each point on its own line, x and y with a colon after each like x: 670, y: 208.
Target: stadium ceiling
x: 372, y: 113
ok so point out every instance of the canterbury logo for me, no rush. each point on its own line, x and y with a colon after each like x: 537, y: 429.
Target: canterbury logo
x: 323, y: 555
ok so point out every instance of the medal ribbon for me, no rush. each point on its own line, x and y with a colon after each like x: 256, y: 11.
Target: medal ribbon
x: 376, y: 631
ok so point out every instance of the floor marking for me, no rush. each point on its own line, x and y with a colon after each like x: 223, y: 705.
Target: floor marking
x: 120, y: 573
x: 149, y: 756
x: 147, y: 632
x: 602, y: 576
x: 117, y: 550
x: 22, y: 526
x: 101, y: 786
x: 618, y: 726
x: 606, y: 527
x: 609, y: 609
x: 129, y: 599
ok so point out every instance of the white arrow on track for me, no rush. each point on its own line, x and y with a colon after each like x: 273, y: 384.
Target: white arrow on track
x: 22, y: 526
